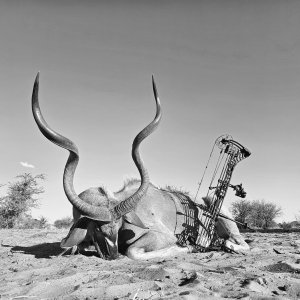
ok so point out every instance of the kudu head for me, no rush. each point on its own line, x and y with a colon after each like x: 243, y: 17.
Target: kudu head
x: 97, y: 217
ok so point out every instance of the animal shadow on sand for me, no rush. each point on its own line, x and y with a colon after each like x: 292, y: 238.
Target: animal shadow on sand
x: 44, y: 250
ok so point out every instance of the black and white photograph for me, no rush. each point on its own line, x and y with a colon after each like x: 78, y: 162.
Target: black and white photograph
x: 149, y: 149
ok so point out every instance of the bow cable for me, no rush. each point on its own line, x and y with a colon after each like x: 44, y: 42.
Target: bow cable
x: 205, y: 169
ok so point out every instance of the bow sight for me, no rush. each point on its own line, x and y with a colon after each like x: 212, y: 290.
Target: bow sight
x: 239, y: 191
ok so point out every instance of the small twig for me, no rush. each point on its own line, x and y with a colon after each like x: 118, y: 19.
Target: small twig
x: 134, y: 297
x: 216, y: 271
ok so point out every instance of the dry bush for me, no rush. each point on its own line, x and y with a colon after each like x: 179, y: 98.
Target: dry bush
x: 19, y: 199
x: 27, y: 222
x: 257, y: 213
x: 64, y: 222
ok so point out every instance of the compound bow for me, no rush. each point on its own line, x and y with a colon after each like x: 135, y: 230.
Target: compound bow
x: 231, y: 154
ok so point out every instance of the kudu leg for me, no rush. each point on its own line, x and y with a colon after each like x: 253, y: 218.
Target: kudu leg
x: 155, y: 245
x: 140, y: 254
x: 236, y: 243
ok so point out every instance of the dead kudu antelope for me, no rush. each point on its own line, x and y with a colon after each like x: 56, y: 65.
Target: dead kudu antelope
x: 141, y: 220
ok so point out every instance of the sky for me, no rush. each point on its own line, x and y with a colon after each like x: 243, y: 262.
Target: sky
x: 221, y: 67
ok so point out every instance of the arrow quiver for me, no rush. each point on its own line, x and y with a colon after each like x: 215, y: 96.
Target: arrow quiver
x: 231, y: 154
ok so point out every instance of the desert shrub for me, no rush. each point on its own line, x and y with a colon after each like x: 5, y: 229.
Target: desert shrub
x: 290, y: 225
x: 273, y: 224
x: 20, y: 198
x: 241, y: 210
x: 263, y: 213
x: 297, y: 217
x: 285, y: 225
x: 257, y: 213
x: 43, y: 222
x: 64, y: 222
x: 296, y: 224
x: 27, y: 222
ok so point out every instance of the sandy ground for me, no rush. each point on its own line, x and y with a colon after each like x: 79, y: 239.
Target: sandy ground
x: 31, y: 269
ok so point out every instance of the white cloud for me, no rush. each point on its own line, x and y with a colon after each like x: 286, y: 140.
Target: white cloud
x: 26, y: 165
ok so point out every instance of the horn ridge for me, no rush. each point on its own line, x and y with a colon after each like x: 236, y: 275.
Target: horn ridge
x: 128, y: 204
x: 96, y: 212
x: 49, y: 133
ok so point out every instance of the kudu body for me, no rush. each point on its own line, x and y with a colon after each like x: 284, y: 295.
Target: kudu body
x: 141, y: 220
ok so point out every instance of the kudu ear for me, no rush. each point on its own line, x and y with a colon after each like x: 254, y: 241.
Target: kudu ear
x: 133, y: 219
x: 77, y: 233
